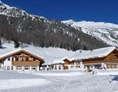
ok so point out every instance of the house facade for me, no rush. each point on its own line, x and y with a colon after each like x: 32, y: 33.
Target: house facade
x: 108, y: 62
x: 70, y: 64
x: 20, y: 60
x: 104, y: 58
x: 64, y: 64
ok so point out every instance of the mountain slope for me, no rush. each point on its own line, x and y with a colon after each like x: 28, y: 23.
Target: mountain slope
x: 107, y: 32
x: 40, y: 31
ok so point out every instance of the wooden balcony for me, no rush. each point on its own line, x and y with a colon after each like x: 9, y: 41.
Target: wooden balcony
x: 25, y: 63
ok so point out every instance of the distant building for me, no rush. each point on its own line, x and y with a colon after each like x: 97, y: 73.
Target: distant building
x: 61, y: 64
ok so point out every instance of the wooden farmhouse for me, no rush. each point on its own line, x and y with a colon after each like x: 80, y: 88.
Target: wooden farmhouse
x: 20, y: 60
x: 103, y: 58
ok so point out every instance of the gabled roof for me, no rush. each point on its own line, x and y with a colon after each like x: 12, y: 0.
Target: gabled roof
x: 4, y: 56
x: 57, y: 60
x: 47, y: 53
x: 96, y: 53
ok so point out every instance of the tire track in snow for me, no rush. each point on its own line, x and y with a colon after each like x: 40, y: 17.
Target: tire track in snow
x: 115, y: 91
x: 65, y: 85
x: 109, y: 87
x: 85, y: 84
x: 48, y: 53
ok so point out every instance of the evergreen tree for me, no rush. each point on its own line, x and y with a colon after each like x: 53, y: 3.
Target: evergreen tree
x: 84, y: 48
x: 0, y: 44
x: 16, y: 43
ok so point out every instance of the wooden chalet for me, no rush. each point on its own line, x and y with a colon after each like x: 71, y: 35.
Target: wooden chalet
x: 20, y: 60
x: 103, y: 58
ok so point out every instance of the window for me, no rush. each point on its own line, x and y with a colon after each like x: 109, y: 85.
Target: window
x: 27, y: 59
x: 11, y: 67
x: 18, y: 67
x: 22, y: 59
x: 34, y: 59
x: 26, y: 67
x: 16, y: 58
x: 8, y: 67
x: 59, y: 67
x: 8, y: 59
x: 33, y: 67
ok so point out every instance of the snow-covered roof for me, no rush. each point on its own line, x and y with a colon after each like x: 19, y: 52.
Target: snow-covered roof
x: 56, y: 55
x: 18, y: 50
x: 58, y: 60
x: 48, y: 54
x: 10, y: 52
x: 96, y: 53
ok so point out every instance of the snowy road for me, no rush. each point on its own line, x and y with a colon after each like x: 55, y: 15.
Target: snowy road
x: 77, y: 83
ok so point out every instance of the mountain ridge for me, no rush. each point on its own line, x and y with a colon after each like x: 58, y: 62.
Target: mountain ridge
x: 19, y: 25
x: 107, y: 32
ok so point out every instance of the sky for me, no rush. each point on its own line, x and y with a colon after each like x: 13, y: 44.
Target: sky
x: 77, y: 10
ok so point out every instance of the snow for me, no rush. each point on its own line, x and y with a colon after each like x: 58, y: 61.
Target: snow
x: 56, y: 55
x: 18, y: 83
x: 90, y: 24
x: 106, y: 32
x: 5, y: 5
x: 108, y: 72
x: 58, y: 81
x: 96, y: 53
x: 10, y: 52
x: 59, y: 73
x: 49, y: 54
x: 57, y: 60
x: 13, y: 80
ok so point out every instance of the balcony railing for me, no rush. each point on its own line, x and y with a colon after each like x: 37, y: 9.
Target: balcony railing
x: 25, y: 62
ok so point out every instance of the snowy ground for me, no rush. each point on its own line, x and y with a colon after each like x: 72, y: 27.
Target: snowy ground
x: 58, y: 81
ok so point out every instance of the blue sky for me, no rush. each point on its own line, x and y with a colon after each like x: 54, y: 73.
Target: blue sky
x: 78, y: 10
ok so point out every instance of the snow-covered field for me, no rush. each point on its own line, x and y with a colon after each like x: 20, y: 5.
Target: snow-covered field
x: 55, y: 81
x: 58, y: 81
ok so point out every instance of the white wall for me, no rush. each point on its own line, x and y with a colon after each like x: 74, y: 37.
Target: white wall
x: 7, y: 63
x: 81, y: 65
